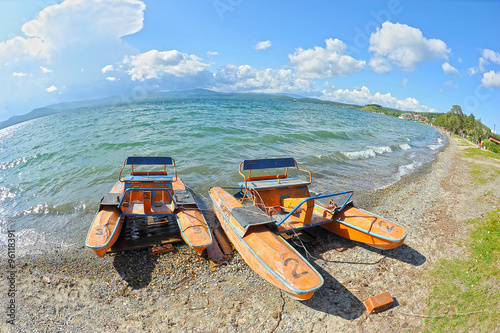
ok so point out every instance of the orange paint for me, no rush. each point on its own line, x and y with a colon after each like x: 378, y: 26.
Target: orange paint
x: 268, y: 254
x: 147, y: 193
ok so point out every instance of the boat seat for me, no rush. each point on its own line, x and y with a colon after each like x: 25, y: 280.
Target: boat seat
x: 274, y: 183
x: 150, y: 178
x: 111, y: 199
x: 247, y: 216
x: 184, y: 197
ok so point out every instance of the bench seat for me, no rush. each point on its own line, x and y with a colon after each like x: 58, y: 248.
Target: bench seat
x: 274, y: 183
x: 151, y: 178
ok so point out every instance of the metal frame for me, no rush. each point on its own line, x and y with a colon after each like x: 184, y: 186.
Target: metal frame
x: 149, y: 160
x: 130, y: 189
x: 271, y: 163
x: 319, y: 197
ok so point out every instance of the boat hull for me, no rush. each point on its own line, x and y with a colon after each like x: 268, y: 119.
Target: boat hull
x: 192, y: 224
x: 194, y: 229
x: 268, y: 254
x: 362, y: 226
x: 104, y: 230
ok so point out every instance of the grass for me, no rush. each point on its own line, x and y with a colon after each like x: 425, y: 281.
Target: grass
x: 482, y: 174
x: 473, y: 152
x: 461, y: 287
x: 469, y: 284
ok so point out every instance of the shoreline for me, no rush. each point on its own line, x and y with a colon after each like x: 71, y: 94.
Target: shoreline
x: 74, y: 290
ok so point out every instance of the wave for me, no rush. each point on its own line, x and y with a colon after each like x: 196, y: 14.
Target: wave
x: 439, y: 143
x: 66, y: 208
x: 405, y: 146
x: 407, y: 169
x: 22, y: 162
x: 370, y: 152
x: 322, y: 134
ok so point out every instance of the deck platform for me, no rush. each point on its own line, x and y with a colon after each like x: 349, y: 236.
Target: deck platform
x: 139, y: 232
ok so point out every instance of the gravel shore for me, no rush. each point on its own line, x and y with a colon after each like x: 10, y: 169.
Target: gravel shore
x: 72, y: 290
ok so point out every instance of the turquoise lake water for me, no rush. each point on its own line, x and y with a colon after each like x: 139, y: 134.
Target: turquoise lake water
x: 54, y: 170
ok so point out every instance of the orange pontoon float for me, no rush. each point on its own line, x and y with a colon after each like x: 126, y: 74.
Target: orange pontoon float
x: 150, y: 194
x: 282, y: 204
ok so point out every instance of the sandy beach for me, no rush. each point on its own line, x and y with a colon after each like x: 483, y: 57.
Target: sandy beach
x: 73, y: 290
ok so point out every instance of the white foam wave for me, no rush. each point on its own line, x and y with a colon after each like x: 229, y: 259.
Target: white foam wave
x: 367, y: 153
x: 407, y: 169
x: 382, y: 150
x: 357, y: 155
x: 405, y: 146
x: 436, y: 146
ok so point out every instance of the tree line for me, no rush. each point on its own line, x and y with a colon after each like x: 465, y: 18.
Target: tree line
x: 467, y: 126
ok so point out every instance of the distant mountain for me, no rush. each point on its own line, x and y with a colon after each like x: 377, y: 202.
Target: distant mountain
x: 160, y: 96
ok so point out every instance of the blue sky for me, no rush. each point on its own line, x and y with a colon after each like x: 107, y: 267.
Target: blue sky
x: 411, y: 55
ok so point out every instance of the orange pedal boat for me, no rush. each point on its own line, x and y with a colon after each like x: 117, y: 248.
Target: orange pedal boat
x: 282, y: 204
x: 150, y: 194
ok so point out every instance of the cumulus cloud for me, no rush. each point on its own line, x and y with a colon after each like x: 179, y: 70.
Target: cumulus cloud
x: 404, y: 46
x: 491, y: 79
x: 323, y: 63
x: 112, y: 19
x: 404, y: 82
x: 246, y: 78
x: 152, y: 64
x: 108, y: 68
x: 51, y: 88
x: 449, y: 69
x: 380, y: 65
x: 16, y: 74
x: 67, y: 25
x: 363, y: 95
x: 61, y: 38
x: 212, y: 53
x: 111, y: 78
x: 492, y: 56
x: 487, y: 56
x: 263, y: 45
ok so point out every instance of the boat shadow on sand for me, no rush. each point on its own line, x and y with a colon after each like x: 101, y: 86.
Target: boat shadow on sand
x: 335, y: 299
x: 135, y: 267
x: 329, y: 242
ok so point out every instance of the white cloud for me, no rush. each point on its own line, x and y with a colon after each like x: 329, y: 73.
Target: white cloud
x: 108, y: 68
x: 449, y: 69
x: 60, y: 39
x: 323, y: 63
x: 405, y: 46
x: 16, y: 74
x: 491, y: 56
x: 111, y: 78
x: 450, y: 84
x: 486, y: 56
x: 491, y: 79
x: 404, y: 82
x: 245, y: 78
x: 363, y: 96
x: 380, y: 65
x: 472, y: 71
x: 212, y: 53
x: 51, y: 88
x: 60, y: 25
x: 152, y: 64
x: 263, y: 45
